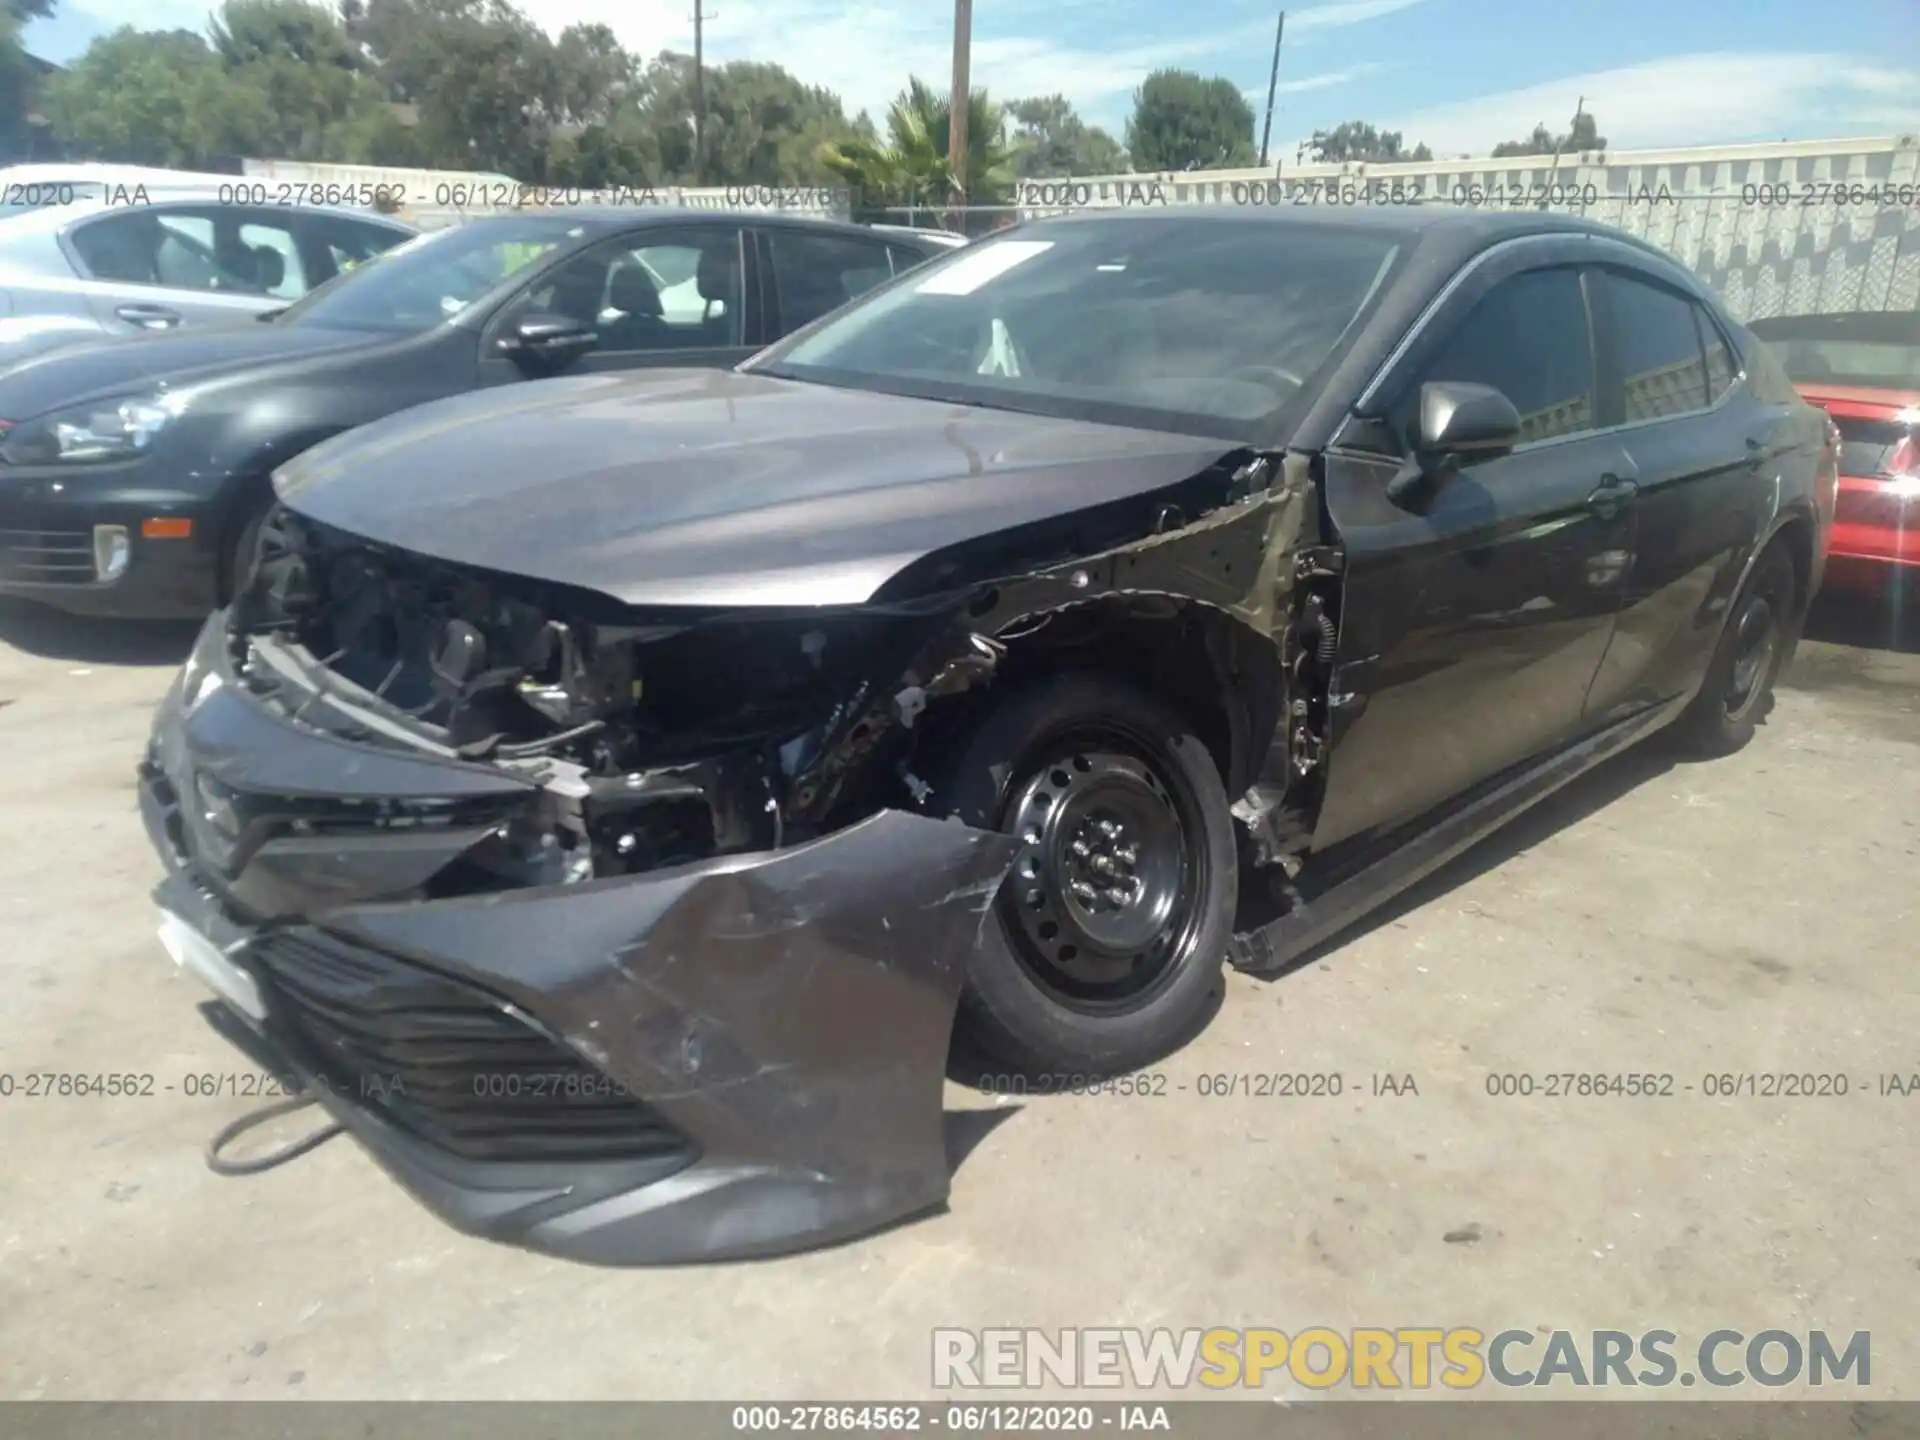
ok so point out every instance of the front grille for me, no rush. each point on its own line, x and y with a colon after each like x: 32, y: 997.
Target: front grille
x: 47, y: 557
x: 447, y: 1062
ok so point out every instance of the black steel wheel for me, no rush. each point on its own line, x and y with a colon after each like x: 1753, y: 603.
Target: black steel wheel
x: 1737, y: 690
x: 1116, y: 913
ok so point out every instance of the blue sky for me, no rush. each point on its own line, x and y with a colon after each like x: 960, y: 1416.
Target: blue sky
x: 1457, y: 74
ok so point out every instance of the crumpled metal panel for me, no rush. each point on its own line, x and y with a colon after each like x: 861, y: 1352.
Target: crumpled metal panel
x: 789, y: 1011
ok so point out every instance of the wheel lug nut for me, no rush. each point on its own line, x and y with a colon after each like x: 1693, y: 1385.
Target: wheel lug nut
x: 1119, y: 895
x: 1079, y: 848
x: 1104, y: 865
x: 1082, y: 891
x: 1127, y: 854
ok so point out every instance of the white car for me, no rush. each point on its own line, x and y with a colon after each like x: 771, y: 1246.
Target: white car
x: 102, y: 267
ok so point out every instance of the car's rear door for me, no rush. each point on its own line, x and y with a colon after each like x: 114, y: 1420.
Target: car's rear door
x: 1702, y: 444
x: 813, y: 272
x: 155, y: 268
x: 1472, y: 623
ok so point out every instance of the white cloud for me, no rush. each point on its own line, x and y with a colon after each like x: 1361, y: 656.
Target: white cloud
x: 1327, y: 80
x: 1705, y: 99
x: 1344, y: 12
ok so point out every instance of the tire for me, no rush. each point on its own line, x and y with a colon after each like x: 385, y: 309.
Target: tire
x: 1759, y: 635
x: 1114, y: 786
x: 237, y: 560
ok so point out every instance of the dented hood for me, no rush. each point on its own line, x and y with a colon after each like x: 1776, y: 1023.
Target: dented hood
x: 716, y: 487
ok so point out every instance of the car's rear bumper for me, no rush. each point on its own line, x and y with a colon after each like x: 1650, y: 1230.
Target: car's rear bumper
x: 1876, y: 524
x: 726, y: 1059
x: 47, y: 523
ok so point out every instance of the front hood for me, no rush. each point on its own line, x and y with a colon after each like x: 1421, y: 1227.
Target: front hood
x: 716, y: 487
x: 115, y: 366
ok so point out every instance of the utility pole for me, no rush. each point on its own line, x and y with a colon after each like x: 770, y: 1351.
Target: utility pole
x: 962, y: 101
x: 1273, y: 88
x: 699, y: 94
x: 1578, y: 109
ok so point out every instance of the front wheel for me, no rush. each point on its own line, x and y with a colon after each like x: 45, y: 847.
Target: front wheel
x: 1118, y: 909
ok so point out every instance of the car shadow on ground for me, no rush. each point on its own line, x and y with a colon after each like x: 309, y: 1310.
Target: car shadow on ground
x: 1867, y: 620
x: 55, y: 635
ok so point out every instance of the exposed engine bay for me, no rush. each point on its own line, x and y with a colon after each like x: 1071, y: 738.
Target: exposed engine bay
x: 654, y: 744
x: 658, y: 738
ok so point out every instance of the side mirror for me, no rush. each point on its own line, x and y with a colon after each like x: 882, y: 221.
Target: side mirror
x: 548, y: 342
x: 1457, y: 421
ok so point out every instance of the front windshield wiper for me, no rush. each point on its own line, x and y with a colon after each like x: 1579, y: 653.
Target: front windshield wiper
x: 273, y: 314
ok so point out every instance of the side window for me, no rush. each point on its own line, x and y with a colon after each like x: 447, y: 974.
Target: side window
x: 1721, y: 370
x: 817, y: 273
x: 120, y: 248
x: 1528, y: 338
x: 347, y: 243
x: 677, y: 291
x: 1662, y: 368
x: 273, y: 261
x: 905, y: 259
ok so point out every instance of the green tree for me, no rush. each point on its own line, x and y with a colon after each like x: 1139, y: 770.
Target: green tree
x: 1051, y: 140
x: 19, y: 78
x: 1583, y: 136
x: 1355, y: 140
x: 297, y: 85
x: 149, y: 98
x: 765, y: 127
x: 1182, y: 121
x: 911, y: 166
x: 481, y: 78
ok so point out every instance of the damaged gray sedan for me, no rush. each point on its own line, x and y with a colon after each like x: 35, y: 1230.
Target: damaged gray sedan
x: 605, y: 794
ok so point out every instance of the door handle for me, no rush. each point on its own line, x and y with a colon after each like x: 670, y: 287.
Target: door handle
x: 1610, y: 495
x: 1758, y: 452
x: 149, y: 317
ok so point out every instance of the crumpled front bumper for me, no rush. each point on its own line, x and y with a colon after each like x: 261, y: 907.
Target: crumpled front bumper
x: 762, y: 1037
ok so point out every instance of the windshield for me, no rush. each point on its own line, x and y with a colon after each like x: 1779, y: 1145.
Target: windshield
x: 1208, y: 326
x: 432, y: 277
x: 1879, y: 351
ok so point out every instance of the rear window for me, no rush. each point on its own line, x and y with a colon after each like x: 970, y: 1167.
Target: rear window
x: 1877, y: 351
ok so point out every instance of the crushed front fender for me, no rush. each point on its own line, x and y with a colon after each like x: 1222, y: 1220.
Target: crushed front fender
x: 784, y: 1017
x: 732, y: 1058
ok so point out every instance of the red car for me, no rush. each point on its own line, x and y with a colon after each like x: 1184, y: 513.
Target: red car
x: 1864, y: 371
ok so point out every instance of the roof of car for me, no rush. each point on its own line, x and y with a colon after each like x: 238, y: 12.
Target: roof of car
x: 1458, y: 229
x: 602, y: 218
x: 1408, y: 219
x: 45, y: 218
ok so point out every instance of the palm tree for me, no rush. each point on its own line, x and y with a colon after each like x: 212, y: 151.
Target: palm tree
x: 911, y: 166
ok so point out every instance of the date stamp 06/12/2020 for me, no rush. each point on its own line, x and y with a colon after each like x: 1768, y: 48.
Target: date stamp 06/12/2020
x: 1270, y: 1085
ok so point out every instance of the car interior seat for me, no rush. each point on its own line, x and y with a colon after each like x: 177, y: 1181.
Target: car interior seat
x: 576, y: 293
x: 267, y: 268
x: 640, y: 325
